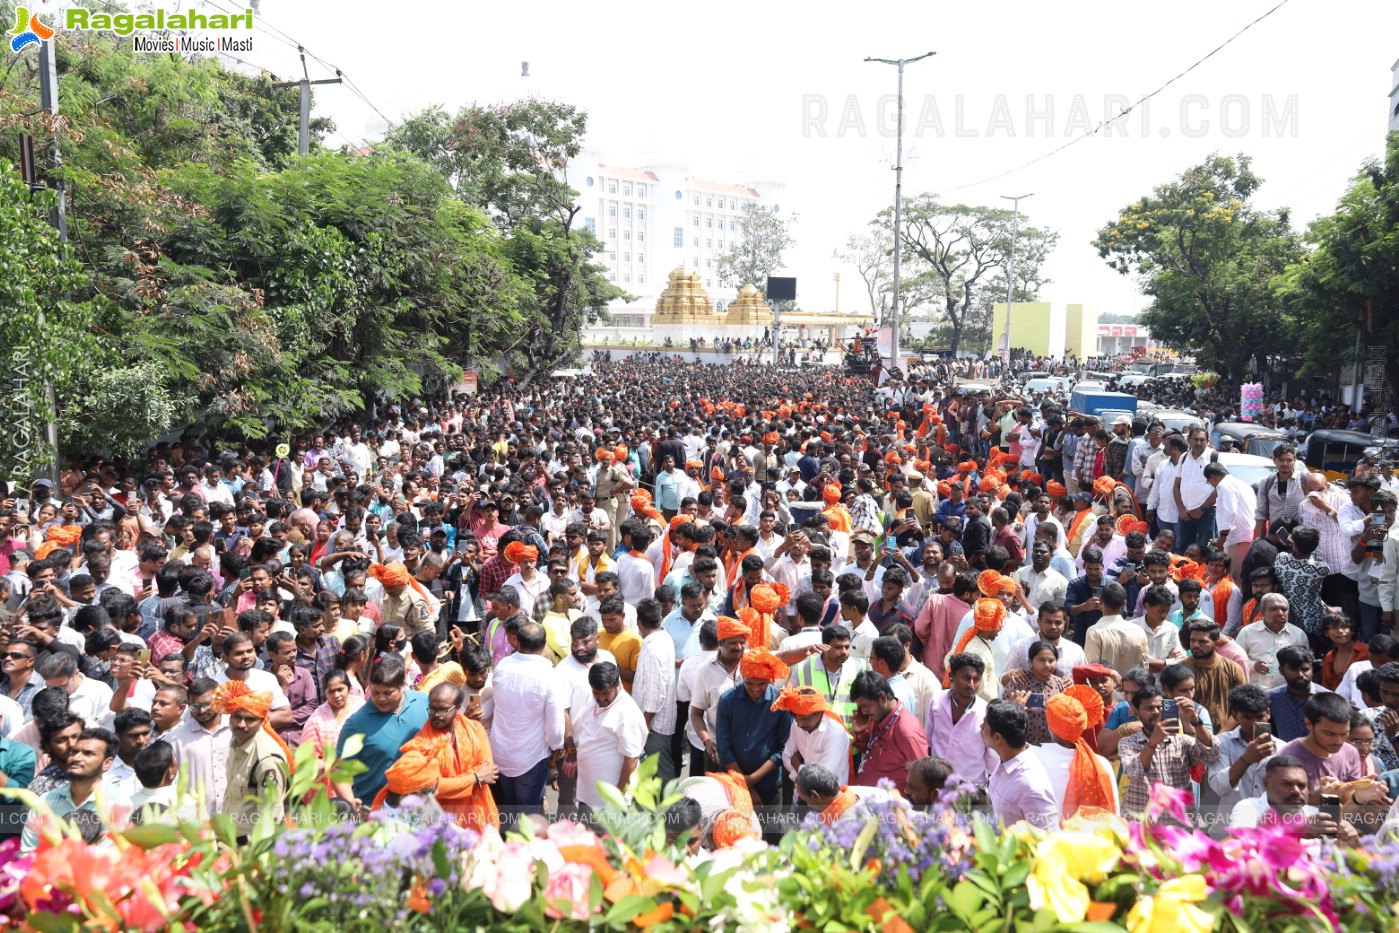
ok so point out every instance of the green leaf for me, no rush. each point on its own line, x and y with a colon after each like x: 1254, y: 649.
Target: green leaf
x: 628, y: 907
x: 150, y: 835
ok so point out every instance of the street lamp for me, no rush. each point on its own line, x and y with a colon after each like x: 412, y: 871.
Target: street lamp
x: 898, y: 197
x: 1010, y: 271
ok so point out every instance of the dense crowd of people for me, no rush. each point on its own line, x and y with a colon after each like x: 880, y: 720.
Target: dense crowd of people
x: 796, y: 589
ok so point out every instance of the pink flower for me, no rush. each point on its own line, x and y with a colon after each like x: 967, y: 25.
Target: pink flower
x: 566, y: 892
x: 568, y: 833
x: 1168, y: 801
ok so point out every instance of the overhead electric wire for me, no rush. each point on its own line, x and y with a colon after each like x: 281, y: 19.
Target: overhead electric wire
x: 1126, y: 110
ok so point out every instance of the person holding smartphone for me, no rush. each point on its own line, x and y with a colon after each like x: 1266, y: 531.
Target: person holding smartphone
x: 1244, y: 752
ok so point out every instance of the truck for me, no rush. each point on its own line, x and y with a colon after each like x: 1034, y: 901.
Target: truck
x: 1102, y: 404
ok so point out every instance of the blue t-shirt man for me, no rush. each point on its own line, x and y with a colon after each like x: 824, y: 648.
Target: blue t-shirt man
x: 383, y: 734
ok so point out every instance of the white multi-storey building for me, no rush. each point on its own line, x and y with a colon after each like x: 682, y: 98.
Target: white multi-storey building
x: 1394, y: 97
x: 655, y: 217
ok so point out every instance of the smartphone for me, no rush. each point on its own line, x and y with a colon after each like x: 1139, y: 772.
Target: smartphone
x: 1263, y: 728
x: 1331, y: 806
x: 245, y: 573
x: 1170, y: 709
x: 1034, y: 701
x: 143, y: 656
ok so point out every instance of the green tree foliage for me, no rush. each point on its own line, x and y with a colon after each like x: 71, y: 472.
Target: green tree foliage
x: 1350, y: 283
x: 1207, y: 257
x: 954, y: 263
x: 511, y: 161
x: 233, y: 284
x: 43, y: 334
x: 763, y: 237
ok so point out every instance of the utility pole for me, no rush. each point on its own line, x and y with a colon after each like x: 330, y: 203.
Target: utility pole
x: 304, y: 138
x: 48, y: 101
x: 1010, y: 271
x: 898, y: 197
x: 776, y: 332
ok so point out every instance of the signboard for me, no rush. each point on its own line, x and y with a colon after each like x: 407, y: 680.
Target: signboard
x: 1118, y: 330
x: 468, y: 384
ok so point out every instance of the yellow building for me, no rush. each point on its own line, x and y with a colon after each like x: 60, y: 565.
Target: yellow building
x: 1048, y: 329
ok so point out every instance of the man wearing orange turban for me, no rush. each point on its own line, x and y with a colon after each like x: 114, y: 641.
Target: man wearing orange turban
x: 838, y: 514
x: 820, y: 736
x: 412, y: 774
x: 1082, y: 779
x: 259, y: 762
x: 988, y: 615
x: 1056, y: 489
x: 406, y: 601
x: 750, y: 735
x: 612, y: 487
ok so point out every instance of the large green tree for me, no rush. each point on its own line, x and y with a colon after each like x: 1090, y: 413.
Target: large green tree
x: 1207, y: 257
x: 511, y: 161
x: 1349, y: 285
x: 955, y: 260
x: 763, y: 236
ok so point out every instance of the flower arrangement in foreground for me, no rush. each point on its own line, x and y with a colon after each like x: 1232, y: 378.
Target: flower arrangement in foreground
x: 885, y: 867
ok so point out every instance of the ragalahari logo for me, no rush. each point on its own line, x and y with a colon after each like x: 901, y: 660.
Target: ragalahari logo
x: 28, y: 31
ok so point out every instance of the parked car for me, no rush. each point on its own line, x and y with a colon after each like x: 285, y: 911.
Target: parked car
x: 1248, y: 438
x: 1175, y: 419
x: 1249, y: 468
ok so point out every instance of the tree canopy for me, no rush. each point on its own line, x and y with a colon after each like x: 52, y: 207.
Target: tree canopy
x: 763, y: 237
x: 1207, y: 257
x: 215, y: 278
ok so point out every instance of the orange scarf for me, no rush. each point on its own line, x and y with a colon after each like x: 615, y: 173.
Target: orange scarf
x: 843, y: 801
x: 736, y: 566
x: 1089, y: 785
x: 1221, y: 593
x: 1079, y: 519
x: 840, y: 518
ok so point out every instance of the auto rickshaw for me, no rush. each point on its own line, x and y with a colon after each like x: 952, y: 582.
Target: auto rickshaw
x: 1336, y: 453
x: 1248, y: 438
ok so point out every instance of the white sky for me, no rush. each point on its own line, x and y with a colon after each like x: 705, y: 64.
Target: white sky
x: 721, y: 87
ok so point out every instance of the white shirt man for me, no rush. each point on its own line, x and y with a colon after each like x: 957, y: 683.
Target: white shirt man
x: 1057, y: 760
x: 828, y: 744
x: 1235, y: 505
x: 1191, y: 473
x: 1039, y: 588
x: 605, y: 738
x: 636, y: 578
x: 529, y: 713
x: 1262, y: 644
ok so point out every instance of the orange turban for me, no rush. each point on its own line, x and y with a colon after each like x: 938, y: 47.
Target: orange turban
x: 989, y: 483
x: 987, y: 616
x: 518, y: 552
x: 771, y: 437
x: 681, y: 519
x: 605, y: 456
x: 831, y: 493
x: 643, y: 495
x: 716, y: 473
x: 952, y: 448
x: 892, y: 457
x: 766, y: 598
x: 1092, y: 702
x: 638, y: 502
x: 234, y: 696
x: 1089, y: 785
x: 762, y: 664
x: 945, y: 489
x: 412, y: 773
x: 1126, y: 524
x: 731, y: 826
x: 992, y: 583
x: 966, y: 466
x: 826, y: 436
x: 892, y: 415
x: 1056, y: 489
x: 730, y: 627
x: 1032, y: 478
x: 800, y: 701
x: 1104, y: 485
x: 934, y: 419
x: 394, y: 574
x: 697, y: 464
x: 621, y: 451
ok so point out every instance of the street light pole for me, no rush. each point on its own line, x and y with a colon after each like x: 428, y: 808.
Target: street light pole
x: 898, y: 198
x: 1010, y: 271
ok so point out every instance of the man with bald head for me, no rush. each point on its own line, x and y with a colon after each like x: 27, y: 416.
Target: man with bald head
x: 462, y: 752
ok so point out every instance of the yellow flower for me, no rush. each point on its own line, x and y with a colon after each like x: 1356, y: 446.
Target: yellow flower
x: 1172, y: 909
x: 1086, y: 856
x: 1050, y: 885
